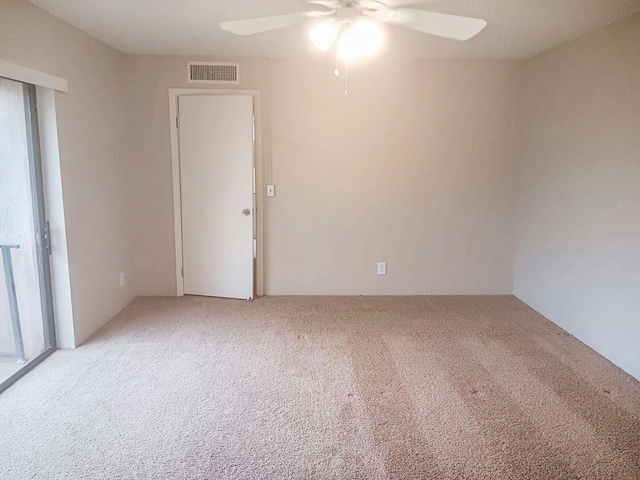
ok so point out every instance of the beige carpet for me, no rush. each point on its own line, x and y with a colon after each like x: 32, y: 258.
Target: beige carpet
x: 324, y: 388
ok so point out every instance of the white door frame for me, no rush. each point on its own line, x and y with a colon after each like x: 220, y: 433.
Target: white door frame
x: 174, y: 93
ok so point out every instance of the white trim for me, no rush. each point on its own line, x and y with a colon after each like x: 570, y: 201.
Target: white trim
x: 34, y: 77
x: 174, y: 93
x: 54, y: 201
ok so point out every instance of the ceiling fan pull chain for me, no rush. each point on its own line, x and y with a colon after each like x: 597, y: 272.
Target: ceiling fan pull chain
x: 346, y: 79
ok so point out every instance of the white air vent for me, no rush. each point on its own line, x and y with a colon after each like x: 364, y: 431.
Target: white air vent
x: 207, y: 72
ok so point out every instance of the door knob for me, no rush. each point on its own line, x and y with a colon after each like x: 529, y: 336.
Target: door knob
x: 246, y: 212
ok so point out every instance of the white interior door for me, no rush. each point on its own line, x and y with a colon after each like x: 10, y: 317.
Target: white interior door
x: 216, y: 176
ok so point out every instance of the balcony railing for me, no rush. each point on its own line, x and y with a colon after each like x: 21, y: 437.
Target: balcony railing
x: 13, y: 301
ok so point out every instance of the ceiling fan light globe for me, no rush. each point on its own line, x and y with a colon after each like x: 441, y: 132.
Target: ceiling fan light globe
x: 324, y: 34
x: 363, y: 39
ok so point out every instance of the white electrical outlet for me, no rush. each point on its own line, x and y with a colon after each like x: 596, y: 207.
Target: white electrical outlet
x: 382, y: 268
x: 271, y: 190
x: 122, y: 279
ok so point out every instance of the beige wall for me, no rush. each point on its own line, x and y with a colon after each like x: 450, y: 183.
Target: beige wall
x: 578, y: 246
x: 415, y: 168
x: 94, y: 161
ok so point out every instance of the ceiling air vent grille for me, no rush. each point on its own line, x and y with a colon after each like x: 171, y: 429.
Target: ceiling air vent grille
x: 218, y: 73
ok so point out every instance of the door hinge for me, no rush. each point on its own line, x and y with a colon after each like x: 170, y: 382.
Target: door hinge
x: 182, y: 272
x: 46, y: 237
x: 178, y: 122
x: 255, y: 248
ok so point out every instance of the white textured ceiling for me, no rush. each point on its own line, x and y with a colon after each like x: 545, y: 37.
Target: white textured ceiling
x: 516, y: 28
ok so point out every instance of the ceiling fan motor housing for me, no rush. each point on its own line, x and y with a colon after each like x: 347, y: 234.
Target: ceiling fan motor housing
x: 347, y: 14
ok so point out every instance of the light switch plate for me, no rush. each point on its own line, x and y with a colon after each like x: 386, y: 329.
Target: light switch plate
x: 271, y: 190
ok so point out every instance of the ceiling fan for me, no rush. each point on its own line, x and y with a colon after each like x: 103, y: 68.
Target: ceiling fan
x: 355, y: 23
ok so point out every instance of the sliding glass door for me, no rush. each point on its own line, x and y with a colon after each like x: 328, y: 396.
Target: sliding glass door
x: 26, y: 311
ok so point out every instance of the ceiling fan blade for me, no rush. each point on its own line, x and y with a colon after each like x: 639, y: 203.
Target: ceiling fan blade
x: 440, y: 24
x: 404, y: 3
x: 249, y: 26
x: 371, y: 5
x: 332, y: 4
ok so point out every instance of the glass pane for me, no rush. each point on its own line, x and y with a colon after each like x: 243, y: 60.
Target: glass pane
x: 21, y: 323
